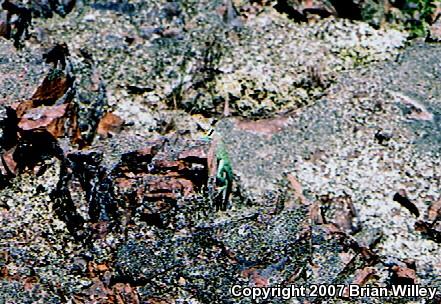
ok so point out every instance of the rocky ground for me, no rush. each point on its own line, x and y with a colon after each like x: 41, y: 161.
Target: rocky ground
x: 111, y: 181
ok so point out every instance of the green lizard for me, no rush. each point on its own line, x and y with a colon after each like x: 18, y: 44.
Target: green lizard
x: 220, y: 166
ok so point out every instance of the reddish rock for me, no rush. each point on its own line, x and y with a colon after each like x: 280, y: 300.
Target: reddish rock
x: 98, y: 290
x: 198, y: 154
x: 169, y: 187
x: 150, y: 179
x: 168, y: 167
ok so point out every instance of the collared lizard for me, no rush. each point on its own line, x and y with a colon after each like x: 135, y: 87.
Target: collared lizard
x: 220, y: 171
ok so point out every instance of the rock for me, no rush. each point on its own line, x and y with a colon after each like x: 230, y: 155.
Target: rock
x: 125, y: 293
x: 298, y: 190
x: 136, y: 206
x: 123, y: 7
x: 63, y: 7
x: 142, y: 261
x: 347, y: 256
x: 42, y: 8
x: 160, y: 175
x: 268, y: 240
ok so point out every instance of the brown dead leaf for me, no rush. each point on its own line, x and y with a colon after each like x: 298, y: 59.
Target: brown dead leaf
x: 4, y: 26
x: 51, y: 118
x: 8, y: 165
x: 109, y: 124
x: 403, y: 275
x: 51, y: 89
x: 4, y: 273
x: 156, y: 300
x: 298, y: 190
x: 29, y: 282
x: 102, y: 267
x: 315, y: 214
x: 434, y: 211
x: 22, y: 107
x: 341, y: 212
x: 362, y: 276
x: 125, y: 294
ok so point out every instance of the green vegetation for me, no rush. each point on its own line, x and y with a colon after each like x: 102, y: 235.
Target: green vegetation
x: 419, y: 16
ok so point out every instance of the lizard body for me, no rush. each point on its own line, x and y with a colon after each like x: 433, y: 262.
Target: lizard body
x: 219, y: 166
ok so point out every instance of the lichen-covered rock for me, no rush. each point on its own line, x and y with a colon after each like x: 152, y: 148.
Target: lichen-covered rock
x: 188, y: 58
x: 127, y: 216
